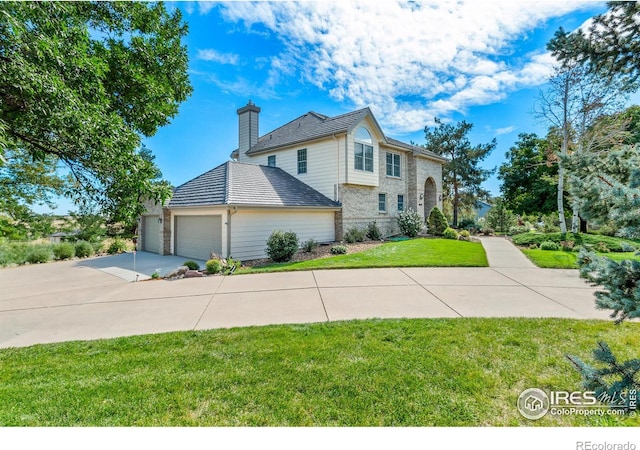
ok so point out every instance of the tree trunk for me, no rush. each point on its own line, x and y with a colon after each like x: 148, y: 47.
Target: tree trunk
x: 455, y: 205
x: 575, y: 219
x: 563, y: 224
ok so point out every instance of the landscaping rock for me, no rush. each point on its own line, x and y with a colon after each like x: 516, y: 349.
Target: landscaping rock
x: 193, y: 274
x: 177, y: 272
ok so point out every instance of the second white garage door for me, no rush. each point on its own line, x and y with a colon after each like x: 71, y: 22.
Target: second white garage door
x: 197, y: 236
x: 150, y: 238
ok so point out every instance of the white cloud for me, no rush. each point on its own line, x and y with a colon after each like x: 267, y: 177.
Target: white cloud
x: 209, y: 54
x: 505, y: 130
x: 408, y: 61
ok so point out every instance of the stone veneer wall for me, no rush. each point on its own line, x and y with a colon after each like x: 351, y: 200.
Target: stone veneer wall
x: 426, y: 169
x: 164, y: 232
x: 360, y: 203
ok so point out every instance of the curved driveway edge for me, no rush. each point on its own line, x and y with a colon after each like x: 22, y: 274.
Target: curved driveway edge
x: 65, y: 301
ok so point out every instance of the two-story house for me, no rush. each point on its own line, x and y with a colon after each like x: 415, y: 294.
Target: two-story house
x: 316, y: 175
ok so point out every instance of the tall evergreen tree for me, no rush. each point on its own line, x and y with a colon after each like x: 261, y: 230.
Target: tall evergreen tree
x: 611, y: 47
x: 462, y: 176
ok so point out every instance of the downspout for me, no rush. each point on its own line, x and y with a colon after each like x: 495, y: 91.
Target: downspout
x: 336, y: 195
x: 229, y: 214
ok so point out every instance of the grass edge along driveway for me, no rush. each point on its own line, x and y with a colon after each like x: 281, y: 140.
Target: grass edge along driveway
x: 418, y: 252
x: 560, y: 259
x: 411, y: 372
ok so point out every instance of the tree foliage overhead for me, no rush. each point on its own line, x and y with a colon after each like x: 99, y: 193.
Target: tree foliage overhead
x: 83, y: 82
x: 462, y: 176
x: 611, y: 46
x: 528, y: 176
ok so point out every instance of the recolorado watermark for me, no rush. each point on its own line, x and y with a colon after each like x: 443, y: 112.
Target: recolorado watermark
x: 588, y: 445
x: 534, y: 403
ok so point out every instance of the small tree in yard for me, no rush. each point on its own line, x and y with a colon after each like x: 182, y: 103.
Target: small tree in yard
x: 620, y: 280
x: 437, y: 222
x: 410, y: 222
x: 282, y: 245
x: 500, y: 218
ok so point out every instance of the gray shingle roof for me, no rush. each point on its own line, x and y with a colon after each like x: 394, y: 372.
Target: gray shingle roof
x: 313, y: 125
x: 415, y: 149
x: 235, y: 183
x: 307, y: 127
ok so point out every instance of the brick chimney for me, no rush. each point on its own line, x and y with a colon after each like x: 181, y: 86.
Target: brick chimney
x: 247, y: 127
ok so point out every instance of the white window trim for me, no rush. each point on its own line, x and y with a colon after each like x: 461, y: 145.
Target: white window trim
x: 381, y: 211
x: 306, y: 161
x: 393, y: 156
x: 403, y: 203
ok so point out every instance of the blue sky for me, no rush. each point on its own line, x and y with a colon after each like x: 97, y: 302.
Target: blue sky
x: 479, y: 61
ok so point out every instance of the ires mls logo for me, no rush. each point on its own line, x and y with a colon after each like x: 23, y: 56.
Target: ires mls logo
x: 535, y: 403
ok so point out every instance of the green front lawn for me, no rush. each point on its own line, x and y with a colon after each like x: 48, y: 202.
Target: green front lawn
x: 421, y: 372
x: 558, y: 259
x: 411, y: 253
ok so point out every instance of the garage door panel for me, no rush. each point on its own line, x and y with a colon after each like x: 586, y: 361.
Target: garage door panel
x: 150, y: 239
x: 197, y: 236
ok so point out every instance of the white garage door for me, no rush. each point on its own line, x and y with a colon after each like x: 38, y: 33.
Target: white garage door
x: 197, y: 236
x: 150, y: 239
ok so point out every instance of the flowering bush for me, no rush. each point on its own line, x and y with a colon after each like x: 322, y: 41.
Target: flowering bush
x: 410, y: 222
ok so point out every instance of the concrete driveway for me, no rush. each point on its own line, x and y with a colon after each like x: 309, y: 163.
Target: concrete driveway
x: 135, y: 266
x: 73, y: 301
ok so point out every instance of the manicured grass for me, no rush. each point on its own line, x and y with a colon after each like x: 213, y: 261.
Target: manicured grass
x: 437, y: 372
x: 614, y: 244
x: 558, y: 259
x: 411, y: 253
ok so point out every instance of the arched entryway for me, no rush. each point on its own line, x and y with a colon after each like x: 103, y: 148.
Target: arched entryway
x: 430, y: 196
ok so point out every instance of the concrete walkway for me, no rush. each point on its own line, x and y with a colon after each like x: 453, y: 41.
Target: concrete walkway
x: 70, y: 301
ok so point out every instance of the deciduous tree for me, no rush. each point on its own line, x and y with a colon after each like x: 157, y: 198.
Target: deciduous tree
x: 83, y: 82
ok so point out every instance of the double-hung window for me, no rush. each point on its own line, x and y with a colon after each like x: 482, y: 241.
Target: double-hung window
x: 382, y: 203
x: 302, y: 161
x: 393, y: 165
x: 400, y: 202
x: 271, y: 161
x: 363, y: 151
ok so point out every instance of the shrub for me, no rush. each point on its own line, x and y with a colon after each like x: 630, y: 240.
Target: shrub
x: 450, y: 233
x: 601, y: 247
x: 626, y: 247
x: 437, y: 222
x: 464, y: 234
x: 117, y: 246
x: 64, y: 250
x: 613, y: 244
x: 354, y: 235
x: 567, y: 246
x: 373, y: 232
x: 83, y: 249
x: 518, y: 229
x: 192, y: 265
x: 39, y: 253
x: 549, y: 245
x: 156, y: 274
x: 338, y: 250
x: 282, y: 245
x: 468, y: 224
x: 213, y: 266
x: 230, y: 265
x: 309, y: 245
x: 97, y: 247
